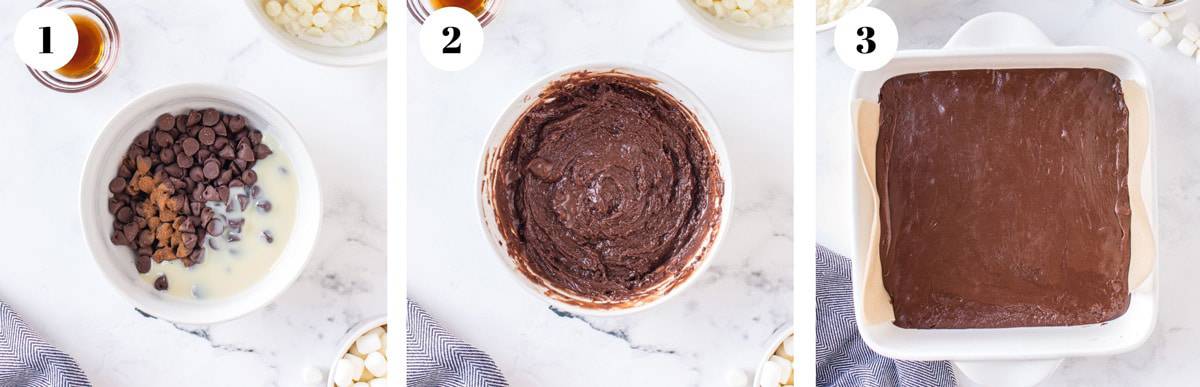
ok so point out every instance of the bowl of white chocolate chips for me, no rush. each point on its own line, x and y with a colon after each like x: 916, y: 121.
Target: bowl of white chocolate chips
x: 361, y: 359
x: 764, y: 25
x: 329, y: 32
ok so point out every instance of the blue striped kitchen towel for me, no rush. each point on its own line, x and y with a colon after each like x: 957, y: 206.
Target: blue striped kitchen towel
x: 26, y: 360
x: 843, y: 359
x: 438, y: 359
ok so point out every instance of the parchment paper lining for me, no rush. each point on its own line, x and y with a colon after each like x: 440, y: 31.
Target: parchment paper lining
x: 877, y: 304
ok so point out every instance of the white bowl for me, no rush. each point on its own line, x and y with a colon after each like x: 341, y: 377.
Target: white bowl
x: 365, y: 53
x: 504, y: 125
x: 776, y: 341
x: 347, y: 341
x: 1156, y: 9
x: 777, y: 38
x: 828, y: 26
x: 116, y: 262
x: 994, y: 41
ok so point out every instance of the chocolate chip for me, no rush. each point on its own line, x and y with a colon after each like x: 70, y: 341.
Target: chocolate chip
x: 207, y: 136
x: 190, y: 146
x: 165, y: 121
x: 184, y: 160
x: 211, y: 169
x: 161, y: 283
x: 233, y: 238
x: 124, y: 215
x: 236, y: 224
x: 198, y: 256
x: 226, y: 153
x: 267, y: 235
x: 142, y: 264
x: 254, y: 190
x: 250, y: 177
x: 163, y: 139
x: 167, y: 156
x: 116, y: 185
x: 223, y: 193
x: 131, y: 232
x: 212, y: 244
x: 237, y: 123
x: 220, y: 129
x: 261, y: 151
x: 243, y: 201
x: 176, y: 172
x: 220, y: 142
x: 118, y: 239
x: 210, y: 194
x: 215, y: 227
x: 196, y: 174
x: 193, y: 118
x: 210, y: 117
x: 180, y: 123
x: 264, y: 206
x: 255, y: 138
x: 245, y: 152
x: 142, y: 140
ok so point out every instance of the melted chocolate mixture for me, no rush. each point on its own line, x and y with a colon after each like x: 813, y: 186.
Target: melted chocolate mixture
x: 1003, y: 197
x: 606, y: 187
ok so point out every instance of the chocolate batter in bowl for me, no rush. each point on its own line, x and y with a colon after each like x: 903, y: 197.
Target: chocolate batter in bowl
x: 603, y: 188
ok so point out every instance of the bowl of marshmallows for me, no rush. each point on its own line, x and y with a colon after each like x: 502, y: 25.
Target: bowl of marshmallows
x: 362, y: 356
x: 1164, y: 26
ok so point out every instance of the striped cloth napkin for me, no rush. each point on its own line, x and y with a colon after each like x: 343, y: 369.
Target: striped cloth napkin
x: 843, y: 359
x: 26, y: 360
x: 438, y: 359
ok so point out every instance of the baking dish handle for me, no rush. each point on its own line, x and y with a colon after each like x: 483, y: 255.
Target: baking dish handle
x: 998, y: 29
x: 1008, y: 373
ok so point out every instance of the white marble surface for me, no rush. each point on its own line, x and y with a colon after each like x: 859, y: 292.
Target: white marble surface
x: 46, y: 273
x: 718, y: 325
x: 1167, y: 357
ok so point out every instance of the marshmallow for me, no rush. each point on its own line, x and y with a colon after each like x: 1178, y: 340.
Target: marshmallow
x: 789, y: 346
x: 376, y: 364
x: 770, y: 374
x: 1148, y: 29
x: 1161, y: 19
x: 343, y: 373
x: 1176, y: 14
x: 1191, y: 31
x: 311, y: 375
x: 1162, y: 38
x: 383, y: 344
x: 785, y: 365
x: 368, y: 344
x: 1186, y: 47
x: 356, y: 366
x: 379, y: 382
x: 736, y: 378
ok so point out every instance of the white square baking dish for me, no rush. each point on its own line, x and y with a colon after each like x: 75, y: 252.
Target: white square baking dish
x: 1001, y: 41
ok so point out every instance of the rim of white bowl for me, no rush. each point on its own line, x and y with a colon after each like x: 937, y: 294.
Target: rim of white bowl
x: 776, y: 340
x: 1130, y: 4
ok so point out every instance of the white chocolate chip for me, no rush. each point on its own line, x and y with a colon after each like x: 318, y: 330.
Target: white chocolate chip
x: 1161, y: 19
x: 1186, y: 47
x: 368, y: 343
x: 1176, y: 14
x: 379, y: 382
x: 273, y: 8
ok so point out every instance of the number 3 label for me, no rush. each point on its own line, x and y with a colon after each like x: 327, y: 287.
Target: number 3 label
x: 866, y: 39
x: 46, y: 38
x: 451, y: 39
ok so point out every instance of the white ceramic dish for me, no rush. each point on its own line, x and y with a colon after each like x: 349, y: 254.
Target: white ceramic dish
x: 365, y: 53
x: 116, y: 262
x: 829, y: 26
x: 776, y: 341
x: 769, y: 39
x: 347, y: 341
x: 1161, y: 8
x: 1004, y: 40
x: 522, y: 103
